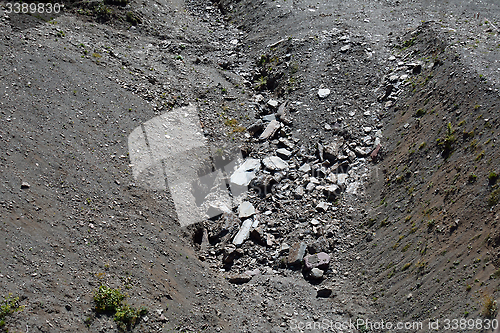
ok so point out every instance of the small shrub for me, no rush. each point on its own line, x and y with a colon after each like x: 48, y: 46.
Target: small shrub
x: 480, y: 156
x: 492, y: 177
x: 489, y: 307
x: 446, y: 143
x: 472, y: 178
x: 7, y: 307
x: 132, y: 18
x: 127, y: 316
x: 406, y: 266
x: 110, y: 301
x: 494, y: 196
x: 107, y: 299
x: 420, y: 113
x: 102, y: 11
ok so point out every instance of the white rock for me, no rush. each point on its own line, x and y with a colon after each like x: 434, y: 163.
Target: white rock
x: 246, y: 172
x: 305, y: 168
x: 284, y: 153
x: 273, y: 103
x: 342, y: 178
x: 244, y: 232
x: 323, y: 93
x: 322, y: 206
x: 245, y: 209
x: 316, y: 273
x: 275, y: 163
x: 345, y: 48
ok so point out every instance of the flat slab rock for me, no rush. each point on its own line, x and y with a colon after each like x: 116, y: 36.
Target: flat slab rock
x: 239, y: 278
x: 246, y: 172
x: 275, y: 163
x: 318, y: 260
x: 270, y: 130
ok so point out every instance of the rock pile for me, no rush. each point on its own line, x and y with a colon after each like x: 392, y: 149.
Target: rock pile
x: 289, y: 218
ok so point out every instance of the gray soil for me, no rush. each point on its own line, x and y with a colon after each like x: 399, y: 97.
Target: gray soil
x: 411, y: 233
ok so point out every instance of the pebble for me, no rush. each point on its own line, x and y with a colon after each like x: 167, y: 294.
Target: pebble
x: 316, y: 274
x: 323, y: 93
x: 273, y: 103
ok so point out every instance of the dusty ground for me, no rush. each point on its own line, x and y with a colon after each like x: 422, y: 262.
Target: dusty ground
x: 417, y: 240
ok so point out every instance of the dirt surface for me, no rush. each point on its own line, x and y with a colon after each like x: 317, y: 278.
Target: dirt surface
x: 407, y: 135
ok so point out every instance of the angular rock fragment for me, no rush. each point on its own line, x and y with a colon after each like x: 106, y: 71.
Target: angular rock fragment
x: 305, y: 168
x: 317, y: 260
x: 273, y: 103
x: 284, y: 153
x: 256, y: 127
x: 322, y: 207
x: 244, y: 232
x: 246, y: 172
x: 299, y: 192
x: 296, y: 253
x: 275, y: 163
x: 262, y: 183
x: 334, y: 148
x: 239, y: 278
x: 320, y: 245
x: 316, y: 274
x: 245, y: 209
x: 270, y: 130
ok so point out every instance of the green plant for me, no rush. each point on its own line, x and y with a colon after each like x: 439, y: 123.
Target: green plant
x: 420, y: 113
x: 480, y: 156
x: 494, y: 196
x: 446, y: 143
x: 127, y: 316
x: 496, y: 275
x: 102, y: 11
x: 406, y: 266
x: 8, y: 306
x: 131, y: 18
x: 406, y: 247
x: 110, y: 301
x: 492, y: 177
x: 472, y: 178
x: 107, y: 299
x: 261, y: 83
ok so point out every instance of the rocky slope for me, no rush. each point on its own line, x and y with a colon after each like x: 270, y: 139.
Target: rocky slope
x: 373, y: 142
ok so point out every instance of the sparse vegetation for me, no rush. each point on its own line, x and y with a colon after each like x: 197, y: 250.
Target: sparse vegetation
x: 492, y: 177
x: 110, y: 301
x: 9, y: 305
x: 446, y: 143
x: 493, y: 197
x: 489, y: 306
